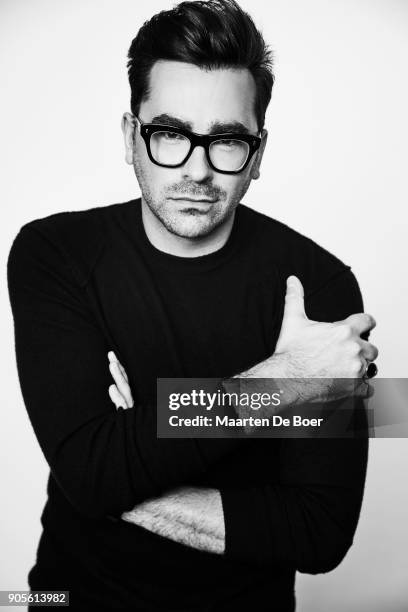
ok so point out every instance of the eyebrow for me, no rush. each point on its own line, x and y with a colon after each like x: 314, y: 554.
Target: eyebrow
x: 217, y: 127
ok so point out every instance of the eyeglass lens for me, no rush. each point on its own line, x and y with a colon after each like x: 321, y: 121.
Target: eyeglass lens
x: 171, y: 149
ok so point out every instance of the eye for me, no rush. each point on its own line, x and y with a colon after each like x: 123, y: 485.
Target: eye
x: 227, y: 143
x: 172, y: 136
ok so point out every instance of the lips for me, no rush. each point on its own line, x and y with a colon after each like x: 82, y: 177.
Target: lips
x: 195, y: 200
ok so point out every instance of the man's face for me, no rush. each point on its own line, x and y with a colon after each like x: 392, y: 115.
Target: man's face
x: 205, y: 102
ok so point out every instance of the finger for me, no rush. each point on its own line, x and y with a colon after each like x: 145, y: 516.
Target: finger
x: 123, y: 371
x: 363, y: 368
x: 361, y: 322
x: 294, y: 298
x: 364, y: 390
x: 368, y: 350
x: 121, y: 383
x: 118, y: 371
x: 112, y: 358
x: 116, y: 397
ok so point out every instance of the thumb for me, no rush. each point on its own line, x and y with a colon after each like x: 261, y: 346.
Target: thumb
x: 293, y: 314
x: 294, y: 298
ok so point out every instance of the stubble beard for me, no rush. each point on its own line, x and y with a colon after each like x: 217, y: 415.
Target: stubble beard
x: 190, y: 223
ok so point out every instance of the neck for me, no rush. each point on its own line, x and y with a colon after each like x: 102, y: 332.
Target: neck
x: 166, y: 241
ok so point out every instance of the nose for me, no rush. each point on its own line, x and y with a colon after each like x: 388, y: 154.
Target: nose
x: 196, y: 167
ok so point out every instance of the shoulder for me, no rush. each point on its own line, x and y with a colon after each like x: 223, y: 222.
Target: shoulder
x: 76, y: 238
x: 290, y: 252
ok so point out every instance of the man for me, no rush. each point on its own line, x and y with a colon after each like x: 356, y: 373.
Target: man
x: 186, y: 282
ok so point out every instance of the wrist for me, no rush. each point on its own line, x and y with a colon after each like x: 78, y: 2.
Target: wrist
x: 274, y: 375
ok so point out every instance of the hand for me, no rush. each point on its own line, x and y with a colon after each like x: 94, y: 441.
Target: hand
x: 314, y: 361
x: 311, y: 349
x: 323, y: 349
x: 120, y: 392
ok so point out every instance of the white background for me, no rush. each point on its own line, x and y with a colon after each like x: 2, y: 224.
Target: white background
x: 335, y: 169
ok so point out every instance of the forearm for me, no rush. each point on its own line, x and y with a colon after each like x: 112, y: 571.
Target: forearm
x: 190, y: 516
x: 267, y: 379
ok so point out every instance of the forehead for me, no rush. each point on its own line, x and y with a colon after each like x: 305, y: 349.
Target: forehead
x: 200, y: 96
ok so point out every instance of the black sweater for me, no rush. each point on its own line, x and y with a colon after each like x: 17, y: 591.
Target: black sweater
x: 83, y: 283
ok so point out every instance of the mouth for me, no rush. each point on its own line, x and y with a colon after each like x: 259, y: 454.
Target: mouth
x: 195, y: 200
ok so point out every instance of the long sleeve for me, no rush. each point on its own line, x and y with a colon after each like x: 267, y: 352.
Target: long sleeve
x: 307, y: 519
x: 104, y: 460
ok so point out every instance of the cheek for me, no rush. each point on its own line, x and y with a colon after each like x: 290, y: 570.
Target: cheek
x: 141, y: 158
x: 145, y: 170
x: 233, y: 185
x: 152, y: 179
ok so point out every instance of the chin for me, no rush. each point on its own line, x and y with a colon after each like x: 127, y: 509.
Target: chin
x: 191, y: 225
x: 191, y: 229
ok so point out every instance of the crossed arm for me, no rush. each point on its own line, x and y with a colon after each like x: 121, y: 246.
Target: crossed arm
x: 105, y: 460
x: 188, y: 515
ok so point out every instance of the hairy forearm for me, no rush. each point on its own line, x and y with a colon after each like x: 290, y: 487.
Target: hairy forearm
x: 190, y: 516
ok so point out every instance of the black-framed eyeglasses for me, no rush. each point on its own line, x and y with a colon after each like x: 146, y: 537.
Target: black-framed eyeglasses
x: 170, y: 147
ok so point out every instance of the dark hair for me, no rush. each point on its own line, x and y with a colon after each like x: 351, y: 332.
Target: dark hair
x: 212, y: 34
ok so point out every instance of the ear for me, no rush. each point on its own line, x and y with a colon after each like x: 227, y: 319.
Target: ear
x: 255, y: 168
x: 128, y: 128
